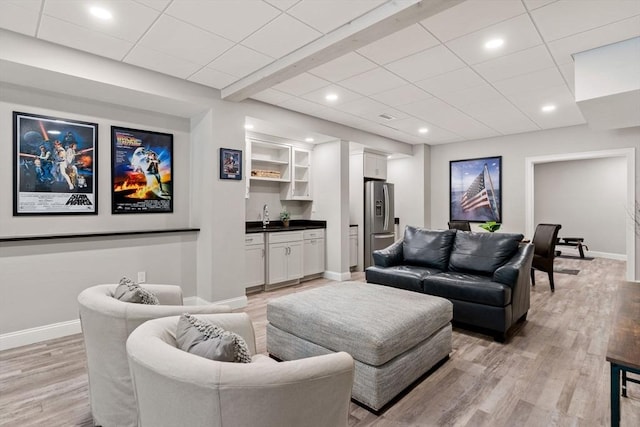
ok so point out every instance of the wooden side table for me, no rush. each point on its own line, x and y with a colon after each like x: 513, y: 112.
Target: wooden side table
x: 623, y: 351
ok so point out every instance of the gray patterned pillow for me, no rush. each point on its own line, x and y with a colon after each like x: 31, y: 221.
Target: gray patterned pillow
x: 197, y: 336
x: 130, y: 291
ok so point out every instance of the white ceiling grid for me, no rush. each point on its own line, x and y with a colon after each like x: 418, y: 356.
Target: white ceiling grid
x: 434, y: 73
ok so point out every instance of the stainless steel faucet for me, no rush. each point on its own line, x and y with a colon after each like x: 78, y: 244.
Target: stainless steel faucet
x: 265, y: 216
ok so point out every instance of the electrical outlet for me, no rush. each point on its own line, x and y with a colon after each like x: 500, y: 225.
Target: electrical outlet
x: 142, y: 276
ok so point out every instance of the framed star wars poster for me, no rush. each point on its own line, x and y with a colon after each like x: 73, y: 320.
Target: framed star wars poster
x: 55, y: 166
x: 141, y: 171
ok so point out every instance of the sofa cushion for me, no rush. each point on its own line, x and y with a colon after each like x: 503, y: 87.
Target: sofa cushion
x: 205, y: 339
x: 468, y: 287
x: 401, y: 276
x: 427, y: 248
x: 130, y: 291
x: 482, y: 252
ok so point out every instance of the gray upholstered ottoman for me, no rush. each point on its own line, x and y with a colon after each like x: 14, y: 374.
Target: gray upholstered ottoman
x: 395, y: 336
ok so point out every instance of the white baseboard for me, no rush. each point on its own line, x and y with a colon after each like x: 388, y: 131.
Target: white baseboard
x: 594, y: 254
x: 234, y: 303
x: 38, y: 334
x: 338, y: 277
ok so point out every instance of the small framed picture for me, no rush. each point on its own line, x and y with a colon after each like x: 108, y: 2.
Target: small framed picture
x: 230, y: 164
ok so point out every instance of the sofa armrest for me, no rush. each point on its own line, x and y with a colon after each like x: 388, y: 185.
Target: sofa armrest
x: 389, y: 256
x: 512, y: 271
x: 516, y: 273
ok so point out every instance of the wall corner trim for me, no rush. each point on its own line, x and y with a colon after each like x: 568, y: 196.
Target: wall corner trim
x: 38, y: 334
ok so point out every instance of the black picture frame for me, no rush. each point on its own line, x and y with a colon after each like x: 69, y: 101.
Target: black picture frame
x: 230, y: 164
x: 141, y: 171
x: 475, y: 189
x: 55, y: 166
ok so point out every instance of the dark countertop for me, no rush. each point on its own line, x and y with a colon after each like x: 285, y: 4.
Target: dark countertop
x: 275, y: 226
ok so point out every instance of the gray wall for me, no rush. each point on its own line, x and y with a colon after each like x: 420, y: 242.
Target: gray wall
x: 587, y: 197
x: 514, y: 149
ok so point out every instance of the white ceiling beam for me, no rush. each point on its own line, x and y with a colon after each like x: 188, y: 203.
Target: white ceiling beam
x: 386, y: 19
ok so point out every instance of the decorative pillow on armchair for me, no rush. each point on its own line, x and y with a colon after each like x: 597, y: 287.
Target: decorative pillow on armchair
x: 130, y: 291
x: 202, y: 338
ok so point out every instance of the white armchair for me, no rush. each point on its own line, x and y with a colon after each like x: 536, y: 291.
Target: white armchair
x: 106, y: 323
x: 176, y: 388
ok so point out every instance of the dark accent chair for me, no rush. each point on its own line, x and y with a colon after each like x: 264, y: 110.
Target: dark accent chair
x: 459, y: 225
x: 544, y: 243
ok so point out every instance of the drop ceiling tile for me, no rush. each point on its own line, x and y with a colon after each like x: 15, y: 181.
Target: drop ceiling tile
x: 212, y: 78
x: 282, y: 4
x: 327, y: 15
x: 568, y: 73
x: 20, y: 16
x: 411, y: 125
x: 230, y: 19
x: 161, y: 62
x: 361, y: 106
x: 182, y: 40
x: 535, y: 4
x: 281, y: 36
x: 375, y: 116
x: 565, y: 18
x: 567, y: 112
x: 454, y: 81
x: 500, y: 115
x: 155, y: 4
x: 431, y: 62
x: 301, y: 84
x: 470, y: 16
x: 374, y: 81
x: 343, y: 67
x: 518, y: 34
x: 401, y: 95
x: 522, y: 62
x: 443, y: 115
x: 64, y: 33
x: 240, y: 61
x: 272, y: 96
x: 400, y: 44
x: 538, y: 80
x: 472, y: 95
x: 563, y: 49
x: 302, y: 106
x: 130, y: 20
x: 344, y: 95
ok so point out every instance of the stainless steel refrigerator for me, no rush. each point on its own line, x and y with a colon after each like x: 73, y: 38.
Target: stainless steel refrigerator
x: 378, y: 218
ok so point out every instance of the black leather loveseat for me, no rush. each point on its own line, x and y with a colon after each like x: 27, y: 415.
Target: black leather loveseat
x: 484, y: 275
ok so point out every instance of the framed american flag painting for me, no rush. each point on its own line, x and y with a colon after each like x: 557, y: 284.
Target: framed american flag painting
x: 475, y: 189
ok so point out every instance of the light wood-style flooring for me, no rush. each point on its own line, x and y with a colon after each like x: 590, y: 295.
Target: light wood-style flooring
x: 551, y: 372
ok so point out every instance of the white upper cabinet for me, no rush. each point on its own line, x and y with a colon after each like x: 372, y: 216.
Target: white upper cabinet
x: 299, y: 187
x: 280, y: 163
x: 375, y: 165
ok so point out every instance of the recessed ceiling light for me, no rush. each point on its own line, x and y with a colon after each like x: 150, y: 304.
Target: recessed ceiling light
x: 308, y: 139
x: 423, y: 130
x: 248, y: 126
x: 494, y: 43
x: 101, y: 13
x: 548, y: 108
x: 331, y: 97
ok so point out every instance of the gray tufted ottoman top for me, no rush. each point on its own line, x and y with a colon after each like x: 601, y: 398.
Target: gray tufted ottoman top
x: 371, y: 322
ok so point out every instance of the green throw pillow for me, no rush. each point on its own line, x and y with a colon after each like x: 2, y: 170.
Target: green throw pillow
x: 202, y: 338
x: 130, y: 291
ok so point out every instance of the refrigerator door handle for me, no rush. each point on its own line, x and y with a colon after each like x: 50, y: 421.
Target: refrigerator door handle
x: 385, y: 191
x: 383, y: 236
